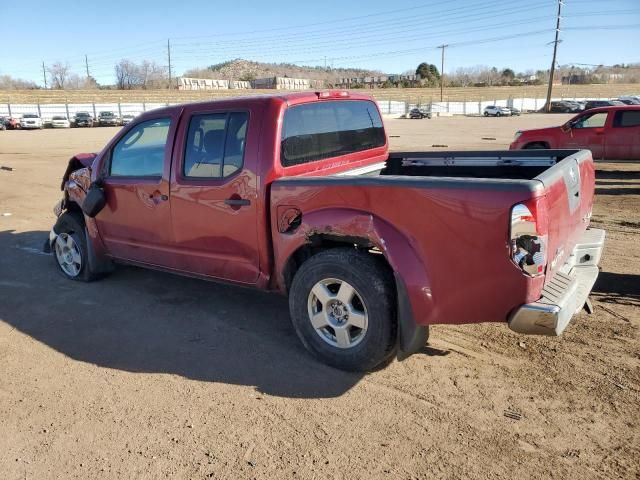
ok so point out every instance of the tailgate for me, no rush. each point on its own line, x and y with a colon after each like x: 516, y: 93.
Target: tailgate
x: 569, y: 191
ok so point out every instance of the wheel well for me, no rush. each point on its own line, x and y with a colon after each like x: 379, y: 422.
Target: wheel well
x: 536, y: 144
x: 322, y: 242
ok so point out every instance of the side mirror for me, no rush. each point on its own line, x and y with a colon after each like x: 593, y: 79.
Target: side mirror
x: 95, y: 200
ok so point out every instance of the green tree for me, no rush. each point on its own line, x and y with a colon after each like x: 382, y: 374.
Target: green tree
x: 429, y: 73
x: 508, y: 74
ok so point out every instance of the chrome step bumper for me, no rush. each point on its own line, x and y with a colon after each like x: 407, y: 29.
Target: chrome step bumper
x: 566, y: 294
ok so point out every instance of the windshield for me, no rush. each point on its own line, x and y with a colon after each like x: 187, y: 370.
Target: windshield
x: 30, y: 115
x: 59, y: 118
x: 82, y: 114
x: 106, y: 114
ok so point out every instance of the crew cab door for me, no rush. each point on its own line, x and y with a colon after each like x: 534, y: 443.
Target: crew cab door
x: 136, y: 221
x: 622, y: 141
x: 588, y: 131
x: 214, y: 201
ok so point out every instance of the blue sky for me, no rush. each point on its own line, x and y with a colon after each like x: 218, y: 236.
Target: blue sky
x: 388, y: 36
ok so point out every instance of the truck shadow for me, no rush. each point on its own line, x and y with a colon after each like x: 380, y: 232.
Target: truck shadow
x: 618, y: 287
x: 143, y: 321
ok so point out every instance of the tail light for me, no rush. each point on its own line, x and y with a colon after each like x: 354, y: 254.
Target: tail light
x: 529, y: 237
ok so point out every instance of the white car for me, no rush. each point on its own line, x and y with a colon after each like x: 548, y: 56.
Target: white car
x: 30, y: 120
x: 495, y: 111
x: 60, y: 121
x: 127, y: 118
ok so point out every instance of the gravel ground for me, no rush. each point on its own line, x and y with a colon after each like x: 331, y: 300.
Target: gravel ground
x: 148, y: 375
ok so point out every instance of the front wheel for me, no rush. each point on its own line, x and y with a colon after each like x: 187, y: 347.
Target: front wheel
x: 486, y: 114
x: 70, y: 248
x: 342, y: 308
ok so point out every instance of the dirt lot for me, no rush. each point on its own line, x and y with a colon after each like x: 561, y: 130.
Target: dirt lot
x: 148, y: 375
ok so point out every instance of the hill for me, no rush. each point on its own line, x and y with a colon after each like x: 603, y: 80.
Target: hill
x: 240, y: 69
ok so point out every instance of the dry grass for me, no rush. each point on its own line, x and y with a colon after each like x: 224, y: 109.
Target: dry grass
x: 413, y: 94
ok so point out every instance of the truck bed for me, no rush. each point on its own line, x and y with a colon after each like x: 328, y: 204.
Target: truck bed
x: 455, y: 209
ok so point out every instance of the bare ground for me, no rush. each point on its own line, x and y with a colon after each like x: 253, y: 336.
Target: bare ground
x: 148, y: 375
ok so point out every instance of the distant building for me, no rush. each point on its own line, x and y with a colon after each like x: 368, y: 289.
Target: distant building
x: 185, y: 83
x: 239, y: 84
x: 377, y: 81
x: 284, y: 83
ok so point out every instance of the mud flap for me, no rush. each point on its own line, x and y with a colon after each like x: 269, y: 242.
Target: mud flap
x: 411, y: 336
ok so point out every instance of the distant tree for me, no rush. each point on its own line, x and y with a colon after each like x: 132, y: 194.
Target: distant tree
x: 126, y: 75
x: 429, y: 73
x: 7, y: 82
x: 508, y: 74
x: 59, y: 73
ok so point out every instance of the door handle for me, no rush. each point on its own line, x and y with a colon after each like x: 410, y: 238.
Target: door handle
x: 237, y: 202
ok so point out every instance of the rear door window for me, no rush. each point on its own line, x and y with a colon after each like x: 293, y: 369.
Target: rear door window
x: 317, y: 131
x: 629, y: 118
x: 215, y: 145
x: 141, y: 152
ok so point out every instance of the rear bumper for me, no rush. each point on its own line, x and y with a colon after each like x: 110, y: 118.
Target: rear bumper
x: 566, y: 294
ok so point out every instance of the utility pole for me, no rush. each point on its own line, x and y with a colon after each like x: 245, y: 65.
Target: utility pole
x: 86, y: 64
x: 553, y: 61
x: 44, y: 75
x: 169, y: 57
x: 443, y: 46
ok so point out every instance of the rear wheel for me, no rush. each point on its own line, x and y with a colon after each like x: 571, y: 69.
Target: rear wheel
x: 342, y: 307
x: 486, y: 114
x: 498, y: 114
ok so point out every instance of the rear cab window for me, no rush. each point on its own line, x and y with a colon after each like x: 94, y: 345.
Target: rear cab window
x: 321, y: 130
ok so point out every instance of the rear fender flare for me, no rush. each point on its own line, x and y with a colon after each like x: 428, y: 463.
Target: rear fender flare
x: 413, y: 287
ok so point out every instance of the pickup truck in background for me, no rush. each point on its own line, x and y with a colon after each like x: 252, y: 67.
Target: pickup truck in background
x: 298, y: 194
x: 611, y: 133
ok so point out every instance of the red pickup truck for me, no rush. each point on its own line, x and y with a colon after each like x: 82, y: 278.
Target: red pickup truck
x: 611, y: 133
x: 298, y: 194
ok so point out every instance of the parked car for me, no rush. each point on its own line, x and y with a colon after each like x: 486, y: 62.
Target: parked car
x: 514, y: 111
x: 495, y: 111
x: 108, y: 119
x: 83, y: 119
x: 563, y: 106
x: 30, y: 121
x: 419, y: 113
x: 611, y: 133
x: 302, y: 197
x: 629, y: 100
x: 127, y: 118
x: 601, y: 103
x: 60, y: 121
x: 10, y: 123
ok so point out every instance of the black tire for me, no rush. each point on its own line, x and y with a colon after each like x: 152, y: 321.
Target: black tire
x: 72, y: 224
x: 374, y: 289
x: 498, y: 114
x: 486, y: 114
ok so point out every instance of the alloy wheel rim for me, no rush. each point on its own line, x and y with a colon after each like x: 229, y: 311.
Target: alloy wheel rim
x: 68, y: 254
x: 337, y: 313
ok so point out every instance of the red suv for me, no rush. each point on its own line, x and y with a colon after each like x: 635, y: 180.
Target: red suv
x: 611, y: 133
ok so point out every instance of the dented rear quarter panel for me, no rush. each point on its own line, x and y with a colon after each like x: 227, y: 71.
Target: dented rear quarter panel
x: 447, y: 239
